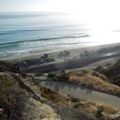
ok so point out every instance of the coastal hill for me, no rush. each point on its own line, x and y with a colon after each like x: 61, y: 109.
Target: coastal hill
x: 113, y: 73
x: 22, y: 98
x: 9, y: 66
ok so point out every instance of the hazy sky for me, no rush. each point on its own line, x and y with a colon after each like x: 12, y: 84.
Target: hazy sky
x: 21, y: 5
x: 60, y: 5
x: 99, y: 13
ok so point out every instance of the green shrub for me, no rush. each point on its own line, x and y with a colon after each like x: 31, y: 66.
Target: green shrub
x: 63, y: 76
x: 116, y: 80
x: 99, y: 112
x: 51, y: 75
x: 77, y: 105
x: 38, y: 74
x: 75, y: 99
x: 85, y: 71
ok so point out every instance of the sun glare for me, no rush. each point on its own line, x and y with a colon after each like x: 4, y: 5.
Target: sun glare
x: 102, y: 13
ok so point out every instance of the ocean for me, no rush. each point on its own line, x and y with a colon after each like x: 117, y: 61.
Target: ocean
x: 24, y: 33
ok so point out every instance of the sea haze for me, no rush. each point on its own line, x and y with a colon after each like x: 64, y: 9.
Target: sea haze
x: 26, y: 33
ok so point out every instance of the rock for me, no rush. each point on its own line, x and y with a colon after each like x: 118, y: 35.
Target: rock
x: 114, y: 70
x: 19, y: 103
x: 113, y: 73
x: 9, y: 66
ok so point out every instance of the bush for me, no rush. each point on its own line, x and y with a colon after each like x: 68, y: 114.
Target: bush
x: 63, y: 76
x: 77, y: 105
x: 116, y: 80
x: 24, y: 75
x: 99, y: 112
x: 100, y: 69
x: 75, y: 99
x: 38, y: 74
x: 85, y: 71
x: 51, y: 75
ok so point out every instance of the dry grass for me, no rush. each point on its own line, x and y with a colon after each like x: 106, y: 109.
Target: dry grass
x: 49, y: 94
x: 6, y: 87
x: 55, y: 97
x: 93, y: 107
x: 94, y: 82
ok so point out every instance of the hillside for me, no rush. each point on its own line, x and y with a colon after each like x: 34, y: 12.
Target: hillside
x: 24, y: 99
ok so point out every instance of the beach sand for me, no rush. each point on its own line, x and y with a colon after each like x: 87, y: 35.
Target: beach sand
x: 77, y: 58
x: 74, y: 52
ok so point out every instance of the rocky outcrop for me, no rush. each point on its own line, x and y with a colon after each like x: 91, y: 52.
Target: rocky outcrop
x: 113, y: 70
x: 22, y: 99
x: 18, y: 102
x: 113, y: 73
x: 25, y: 99
x: 9, y: 66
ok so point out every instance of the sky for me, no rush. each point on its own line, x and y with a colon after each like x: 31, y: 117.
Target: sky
x: 98, y: 13
x: 60, y: 5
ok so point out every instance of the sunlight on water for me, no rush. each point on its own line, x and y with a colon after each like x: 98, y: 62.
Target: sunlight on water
x: 23, y: 33
x: 101, y: 32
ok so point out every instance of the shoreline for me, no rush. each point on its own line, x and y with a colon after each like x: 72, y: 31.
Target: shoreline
x: 59, y: 66
x: 95, y: 54
x: 77, y: 58
x: 53, y: 53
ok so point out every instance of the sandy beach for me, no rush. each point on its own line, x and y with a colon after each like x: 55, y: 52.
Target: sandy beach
x: 74, y: 52
x: 68, y: 59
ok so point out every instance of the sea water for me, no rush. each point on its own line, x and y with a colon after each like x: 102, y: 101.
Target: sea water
x: 26, y: 33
